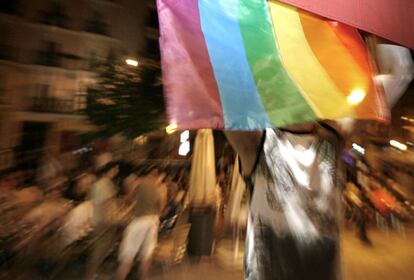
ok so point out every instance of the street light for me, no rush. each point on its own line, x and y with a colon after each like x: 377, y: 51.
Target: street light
x: 170, y: 129
x: 184, y: 136
x: 184, y: 148
x: 356, y: 97
x: 398, y: 145
x: 358, y: 148
x: 131, y: 62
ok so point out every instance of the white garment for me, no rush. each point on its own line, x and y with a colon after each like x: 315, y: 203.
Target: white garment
x: 103, y: 159
x: 140, y: 238
x: 78, y: 222
x: 49, y: 169
x: 102, y: 191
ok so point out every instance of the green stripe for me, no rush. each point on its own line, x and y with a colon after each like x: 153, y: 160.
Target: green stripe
x: 281, y: 99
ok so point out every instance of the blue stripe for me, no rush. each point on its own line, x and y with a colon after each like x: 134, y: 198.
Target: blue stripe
x: 239, y: 96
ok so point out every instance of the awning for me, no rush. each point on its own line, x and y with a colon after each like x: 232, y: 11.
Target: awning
x: 390, y: 19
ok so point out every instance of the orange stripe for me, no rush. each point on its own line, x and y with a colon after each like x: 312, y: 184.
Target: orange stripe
x: 353, y: 42
x: 338, y: 62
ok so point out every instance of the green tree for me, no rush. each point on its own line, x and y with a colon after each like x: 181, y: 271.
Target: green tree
x: 126, y: 99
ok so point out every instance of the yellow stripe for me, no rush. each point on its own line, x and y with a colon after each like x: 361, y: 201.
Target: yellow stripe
x: 304, y: 68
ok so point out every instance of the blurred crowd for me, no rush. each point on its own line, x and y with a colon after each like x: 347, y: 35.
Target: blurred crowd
x: 96, y: 209
x: 373, y: 198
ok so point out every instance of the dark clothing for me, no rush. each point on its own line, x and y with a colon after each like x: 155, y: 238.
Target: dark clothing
x: 148, y: 198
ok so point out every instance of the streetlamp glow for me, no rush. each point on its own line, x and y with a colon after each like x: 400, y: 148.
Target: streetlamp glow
x: 356, y: 97
x: 358, y: 148
x: 131, y: 62
x: 170, y: 129
x: 398, y: 145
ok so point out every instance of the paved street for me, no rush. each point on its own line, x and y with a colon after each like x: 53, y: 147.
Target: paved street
x: 390, y: 257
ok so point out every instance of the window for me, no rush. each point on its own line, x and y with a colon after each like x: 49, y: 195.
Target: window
x: 2, y: 89
x: 50, y: 55
x: 80, y: 101
x: 9, y: 6
x: 93, y: 60
x: 42, y: 91
x: 153, y: 19
x: 55, y: 15
x: 96, y: 24
x: 5, y: 50
x: 40, y: 99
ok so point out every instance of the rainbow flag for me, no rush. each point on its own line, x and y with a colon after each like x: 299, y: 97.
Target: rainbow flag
x: 253, y: 64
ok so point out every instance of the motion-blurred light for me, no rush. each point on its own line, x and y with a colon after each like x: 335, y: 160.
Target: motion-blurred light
x: 171, y: 128
x: 358, y: 148
x: 184, y: 149
x: 398, y: 145
x: 131, y: 62
x: 356, y: 96
x: 184, y: 136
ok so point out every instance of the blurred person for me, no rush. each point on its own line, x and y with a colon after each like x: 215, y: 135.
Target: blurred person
x: 50, y: 168
x: 361, y: 210
x: 25, y: 197
x: 140, y: 236
x: 102, y: 191
x: 294, y: 177
x: 129, y: 183
x: 83, y: 183
x: 103, y: 159
x: 362, y: 173
x: 102, y: 195
x: 182, y: 178
x: 11, y: 179
x: 42, y: 218
x: 175, y: 198
x: 172, y: 187
x: 294, y: 180
x: 78, y: 223
x: 223, y: 163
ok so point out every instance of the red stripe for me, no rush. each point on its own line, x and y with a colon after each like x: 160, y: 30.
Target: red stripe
x: 391, y: 19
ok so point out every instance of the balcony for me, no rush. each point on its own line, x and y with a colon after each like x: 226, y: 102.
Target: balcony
x: 6, y: 52
x: 2, y: 93
x: 96, y: 27
x: 49, y: 58
x: 56, y: 105
x: 46, y: 58
x: 54, y: 19
x: 6, y: 158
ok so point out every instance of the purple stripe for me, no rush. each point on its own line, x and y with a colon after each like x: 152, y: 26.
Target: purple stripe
x: 190, y: 88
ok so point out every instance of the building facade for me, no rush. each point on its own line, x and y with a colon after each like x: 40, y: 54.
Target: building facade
x: 47, y: 52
